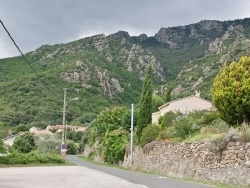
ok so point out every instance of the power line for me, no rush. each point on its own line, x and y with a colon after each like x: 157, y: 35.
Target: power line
x: 20, y: 51
x: 42, y: 81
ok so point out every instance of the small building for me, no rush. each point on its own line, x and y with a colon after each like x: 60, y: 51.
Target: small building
x: 184, y: 105
x: 34, y: 130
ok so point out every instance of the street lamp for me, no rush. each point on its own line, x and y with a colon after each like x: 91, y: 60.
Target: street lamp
x: 64, y: 113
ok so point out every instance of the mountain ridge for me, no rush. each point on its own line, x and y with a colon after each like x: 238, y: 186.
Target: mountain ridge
x: 108, y: 70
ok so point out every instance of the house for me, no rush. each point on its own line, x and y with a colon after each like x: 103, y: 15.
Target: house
x: 39, y: 132
x: 183, y: 105
x: 34, y: 130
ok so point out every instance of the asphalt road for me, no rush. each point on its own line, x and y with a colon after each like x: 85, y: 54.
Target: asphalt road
x: 151, y: 181
x: 60, y: 177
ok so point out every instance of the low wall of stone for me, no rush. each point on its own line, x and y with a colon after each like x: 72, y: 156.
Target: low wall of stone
x: 195, y: 161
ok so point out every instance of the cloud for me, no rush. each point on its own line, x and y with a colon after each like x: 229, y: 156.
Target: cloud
x: 33, y: 23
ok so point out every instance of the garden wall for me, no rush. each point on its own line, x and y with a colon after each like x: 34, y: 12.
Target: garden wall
x: 195, y: 161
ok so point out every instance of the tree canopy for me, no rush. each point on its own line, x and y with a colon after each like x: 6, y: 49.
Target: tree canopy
x: 231, y: 91
x: 145, y: 106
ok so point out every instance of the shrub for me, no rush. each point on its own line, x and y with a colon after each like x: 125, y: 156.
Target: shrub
x: 24, y: 143
x: 114, y: 145
x: 71, y: 148
x: 149, y: 146
x: 48, y: 145
x: 208, y: 118
x: 33, y: 157
x: 2, y: 148
x: 149, y: 134
x: 245, y: 136
x: 77, y: 136
x: 20, y: 128
x: 184, y: 126
x: 219, y: 144
x: 167, y: 119
x: 220, y: 126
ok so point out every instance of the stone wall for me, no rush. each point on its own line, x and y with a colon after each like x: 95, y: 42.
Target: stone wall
x: 196, y: 161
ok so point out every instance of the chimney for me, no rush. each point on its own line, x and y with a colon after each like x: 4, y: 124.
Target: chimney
x: 198, y: 93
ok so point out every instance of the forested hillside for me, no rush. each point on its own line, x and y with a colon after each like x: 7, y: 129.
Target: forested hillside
x: 104, y: 71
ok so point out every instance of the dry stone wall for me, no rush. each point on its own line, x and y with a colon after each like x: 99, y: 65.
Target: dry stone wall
x: 196, y: 161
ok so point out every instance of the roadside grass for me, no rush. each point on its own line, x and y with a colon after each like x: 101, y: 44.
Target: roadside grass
x: 36, y: 164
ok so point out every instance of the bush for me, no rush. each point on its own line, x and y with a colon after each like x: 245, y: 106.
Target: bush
x: 77, y: 136
x: 149, y: 147
x: 33, y: 157
x: 71, y: 148
x: 167, y: 119
x: 48, y: 145
x: 220, y: 126
x: 219, y: 144
x: 24, y: 143
x: 149, y: 134
x: 114, y: 145
x: 208, y: 118
x: 2, y: 148
x: 245, y: 136
x: 20, y: 128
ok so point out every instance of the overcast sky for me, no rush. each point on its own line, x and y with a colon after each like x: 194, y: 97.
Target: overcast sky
x: 33, y: 23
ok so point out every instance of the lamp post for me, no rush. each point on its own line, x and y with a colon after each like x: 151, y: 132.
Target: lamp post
x: 131, y: 138
x: 64, y: 113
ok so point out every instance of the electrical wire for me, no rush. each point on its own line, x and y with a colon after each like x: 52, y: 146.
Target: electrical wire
x: 24, y: 57
x: 20, y: 50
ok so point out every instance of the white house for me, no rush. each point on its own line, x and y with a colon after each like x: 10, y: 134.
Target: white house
x: 183, y: 105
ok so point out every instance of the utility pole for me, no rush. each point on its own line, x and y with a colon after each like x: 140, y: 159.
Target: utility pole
x: 131, y: 134
x: 64, y: 111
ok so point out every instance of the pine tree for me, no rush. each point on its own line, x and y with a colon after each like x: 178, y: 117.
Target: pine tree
x: 231, y: 92
x: 145, y: 106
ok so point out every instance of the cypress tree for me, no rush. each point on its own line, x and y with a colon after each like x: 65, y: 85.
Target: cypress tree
x: 145, y: 106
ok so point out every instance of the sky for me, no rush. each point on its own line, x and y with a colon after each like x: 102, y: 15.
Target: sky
x: 33, y: 23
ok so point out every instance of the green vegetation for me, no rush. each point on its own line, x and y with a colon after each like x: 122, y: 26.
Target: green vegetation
x: 48, y: 144
x: 146, y: 104
x: 33, y: 157
x: 95, y: 77
x: 149, y: 134
x: 231, y: 92
x: 24, y: 143
x: 113, y: 146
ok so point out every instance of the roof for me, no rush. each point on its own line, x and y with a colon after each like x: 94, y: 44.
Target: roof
x: 191, y: 96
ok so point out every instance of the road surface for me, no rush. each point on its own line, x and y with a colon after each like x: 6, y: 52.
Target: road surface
x: 60, y: 177
x: 149, y: 180
x: 85, y: 175
x: 9, y: 141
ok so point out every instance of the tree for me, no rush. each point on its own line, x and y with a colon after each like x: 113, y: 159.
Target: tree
x: 145, y: 106
x: 113, y: 146
x: 108, y: 120
x: 231, y: 92
x: 24, y: 143
x: 2, y: 148
x: 48, y: 144
x: 157, y: 101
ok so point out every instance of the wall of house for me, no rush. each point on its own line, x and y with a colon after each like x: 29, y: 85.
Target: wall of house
x: 195, y: 161
x: 155, y: 117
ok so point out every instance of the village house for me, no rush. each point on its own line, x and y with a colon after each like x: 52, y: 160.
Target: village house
x: 184, y: 105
